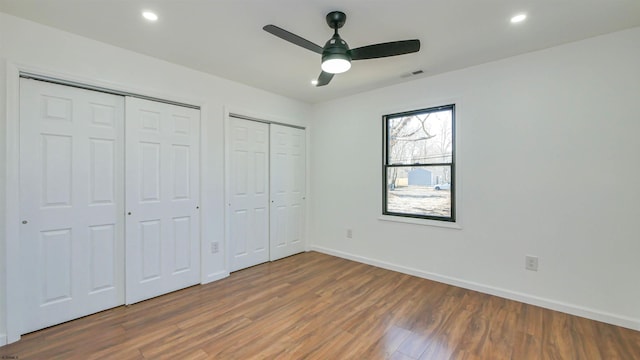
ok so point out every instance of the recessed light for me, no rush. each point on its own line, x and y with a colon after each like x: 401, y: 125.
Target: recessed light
x: 518, y: 18
x: 314, y: 82
x: 149, y: 15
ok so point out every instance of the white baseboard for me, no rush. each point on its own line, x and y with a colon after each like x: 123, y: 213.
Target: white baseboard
x: 215, y: 277
x: 572, y: 309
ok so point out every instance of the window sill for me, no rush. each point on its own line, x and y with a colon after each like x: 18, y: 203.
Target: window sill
x: 424, y: 222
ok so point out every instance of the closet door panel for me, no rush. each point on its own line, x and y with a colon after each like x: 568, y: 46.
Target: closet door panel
x: 162, y: 198
x: 287, y: 191
x: 71, y: 171
x: 247, y: 164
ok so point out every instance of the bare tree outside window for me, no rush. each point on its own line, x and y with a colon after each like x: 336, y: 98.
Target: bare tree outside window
x: 419, y: 163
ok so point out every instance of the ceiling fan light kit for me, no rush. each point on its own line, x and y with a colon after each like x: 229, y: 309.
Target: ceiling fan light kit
x: 335, y: 64
x: 336, y: 55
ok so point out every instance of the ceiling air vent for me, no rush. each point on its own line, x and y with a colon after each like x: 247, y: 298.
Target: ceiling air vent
x: 413, y: 73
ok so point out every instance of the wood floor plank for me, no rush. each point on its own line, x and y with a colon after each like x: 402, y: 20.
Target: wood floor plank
x: 388, y: 345
x: 315, y: 306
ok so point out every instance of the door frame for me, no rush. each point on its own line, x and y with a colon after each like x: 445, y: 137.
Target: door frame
x: 13, y: 308
x: 250, y: 115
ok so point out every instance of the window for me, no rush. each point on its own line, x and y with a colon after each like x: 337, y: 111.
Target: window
x: 419, y: 164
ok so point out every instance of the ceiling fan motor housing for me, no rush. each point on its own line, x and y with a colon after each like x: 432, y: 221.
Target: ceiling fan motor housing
x: 336, y: 47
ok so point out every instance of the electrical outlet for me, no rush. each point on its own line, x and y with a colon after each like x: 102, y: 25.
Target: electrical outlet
x: 215, y: 247
x: 531, y: 263
x: 349, y: 234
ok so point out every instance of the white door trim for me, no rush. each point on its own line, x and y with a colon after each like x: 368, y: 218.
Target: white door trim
x: 13, y: 278
x: 102, y: 89
x: 13, y: 307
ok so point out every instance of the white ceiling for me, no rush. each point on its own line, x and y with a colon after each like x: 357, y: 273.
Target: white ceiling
x: 225, y: 37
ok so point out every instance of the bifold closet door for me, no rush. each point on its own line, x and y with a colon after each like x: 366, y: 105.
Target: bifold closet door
x: 247, y: 193
x: 71, y: 191
x: 288, y: 185
x: 162, y: 192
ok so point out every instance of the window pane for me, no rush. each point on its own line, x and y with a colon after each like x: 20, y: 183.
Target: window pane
x: 423, y: 138
x: 419, y: 190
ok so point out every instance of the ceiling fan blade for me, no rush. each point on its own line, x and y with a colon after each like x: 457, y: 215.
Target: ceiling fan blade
x: 324, y: 78
x: 292, y: 38
x: 385, y: 49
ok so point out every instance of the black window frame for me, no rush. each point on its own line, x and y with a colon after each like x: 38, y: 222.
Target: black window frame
x: 386, y: 165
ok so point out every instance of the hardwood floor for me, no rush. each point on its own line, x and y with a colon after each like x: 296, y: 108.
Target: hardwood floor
x: 315, y: 306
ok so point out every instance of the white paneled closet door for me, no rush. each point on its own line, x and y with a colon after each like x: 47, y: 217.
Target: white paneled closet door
x: 288, y: 185
x: 162, y: 192
x: 247, y: 192
x: 71, y: 166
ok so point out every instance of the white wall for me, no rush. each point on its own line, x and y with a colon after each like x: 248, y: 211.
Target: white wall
x: 3, y: 270
x: 549, y: 157
x: 23, y: 43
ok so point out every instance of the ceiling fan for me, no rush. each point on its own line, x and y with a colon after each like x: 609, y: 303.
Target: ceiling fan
x: 336, y: 55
